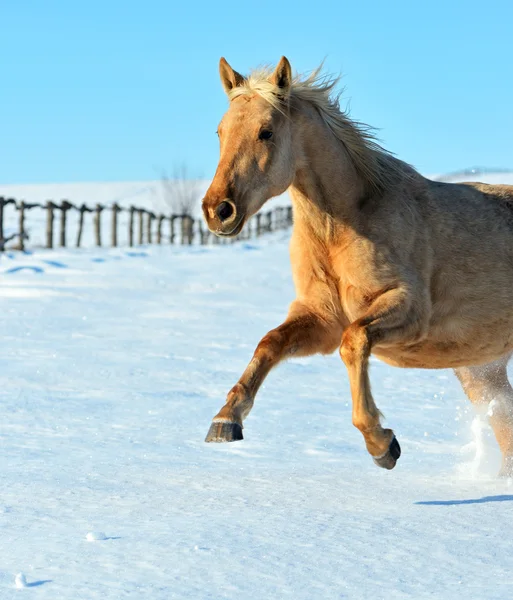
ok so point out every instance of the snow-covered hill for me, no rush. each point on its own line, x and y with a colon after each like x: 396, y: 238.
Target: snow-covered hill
x: 494, y: 176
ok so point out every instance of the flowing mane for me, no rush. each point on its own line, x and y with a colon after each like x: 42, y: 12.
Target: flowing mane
x: 378, y: 167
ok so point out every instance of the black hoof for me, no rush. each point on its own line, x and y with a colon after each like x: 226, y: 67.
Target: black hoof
x: 388, y: 460
x: 224, y: 432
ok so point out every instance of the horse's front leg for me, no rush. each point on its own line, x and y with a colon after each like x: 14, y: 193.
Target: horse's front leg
x: 302, y: 334
x: 389, y: 319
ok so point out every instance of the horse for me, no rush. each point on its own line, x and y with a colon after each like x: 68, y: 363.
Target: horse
x: 417, y: 272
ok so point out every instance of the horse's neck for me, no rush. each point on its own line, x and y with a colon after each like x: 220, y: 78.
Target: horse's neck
x: 326, y: 183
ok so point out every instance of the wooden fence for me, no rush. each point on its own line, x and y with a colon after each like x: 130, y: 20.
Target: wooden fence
x: 144, y: 226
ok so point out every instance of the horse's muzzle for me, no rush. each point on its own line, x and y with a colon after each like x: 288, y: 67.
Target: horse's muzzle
x: 222, y: 217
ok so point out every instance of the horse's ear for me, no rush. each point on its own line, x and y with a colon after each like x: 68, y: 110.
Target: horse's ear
x: 282, y: 76
x: 229, y: 78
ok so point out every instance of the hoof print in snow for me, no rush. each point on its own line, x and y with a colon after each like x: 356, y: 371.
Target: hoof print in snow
x: 18, y: 269
x: 56, y: 264
x: 389, y: 459
x: 224, y: 432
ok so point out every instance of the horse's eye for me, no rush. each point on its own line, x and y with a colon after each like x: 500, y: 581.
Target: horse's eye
x: 265, y: 134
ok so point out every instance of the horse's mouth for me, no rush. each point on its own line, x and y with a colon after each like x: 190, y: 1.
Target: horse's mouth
x: 235, y: 231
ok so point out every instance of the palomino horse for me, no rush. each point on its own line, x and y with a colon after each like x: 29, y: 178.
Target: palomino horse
x: 417, y: 272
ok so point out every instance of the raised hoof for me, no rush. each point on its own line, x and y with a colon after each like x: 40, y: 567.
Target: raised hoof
x: 388, y: 460
x: 224, y: 432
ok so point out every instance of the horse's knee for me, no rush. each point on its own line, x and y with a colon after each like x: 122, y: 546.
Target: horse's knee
x: 270, y: 345
x: 355, y: 345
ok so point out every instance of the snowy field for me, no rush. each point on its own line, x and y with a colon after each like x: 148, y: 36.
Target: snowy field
x: 114, y: 363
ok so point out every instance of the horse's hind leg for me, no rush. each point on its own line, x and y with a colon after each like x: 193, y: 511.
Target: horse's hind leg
x: 489, y: 385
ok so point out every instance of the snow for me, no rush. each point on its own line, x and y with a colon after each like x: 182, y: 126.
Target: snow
x: 113, y: 365
x: 484, y: 176
x: 96, y: 536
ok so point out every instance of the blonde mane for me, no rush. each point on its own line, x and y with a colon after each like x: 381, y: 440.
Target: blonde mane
x: 377, y: 167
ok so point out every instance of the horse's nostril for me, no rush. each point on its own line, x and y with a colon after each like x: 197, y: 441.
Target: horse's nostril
x: 224, y: 211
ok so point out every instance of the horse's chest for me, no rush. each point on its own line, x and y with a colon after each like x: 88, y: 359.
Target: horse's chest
x: 357, y: 286
x: 352, y: 273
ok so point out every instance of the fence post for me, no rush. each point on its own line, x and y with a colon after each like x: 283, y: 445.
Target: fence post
x: 114, y: 229
x: 2, y: 204
x: 202, y: 233
x: 289, y: 215
x: 65, y: 206
x: 190, y: 230
x: 49, y: 224
x: 131, y: 227
x: 159, y: 229
x: 98, y: 224
x: 82, y: 211
x: 269, y: 216
x: 183, y: 229
x: 258, y: 218
x: 149, y: 222
x: 22, y: 225
x: 187, y: 233
x: 172, y: 220
x: 141, y: 225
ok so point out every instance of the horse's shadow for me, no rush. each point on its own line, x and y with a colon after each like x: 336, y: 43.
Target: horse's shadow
x: 38, y: 583
x: 485, y: 499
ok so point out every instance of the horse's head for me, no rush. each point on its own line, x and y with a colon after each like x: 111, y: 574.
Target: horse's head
x: 256, y: 160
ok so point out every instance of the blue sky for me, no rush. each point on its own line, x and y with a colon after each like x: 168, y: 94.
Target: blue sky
x: 115, y: 90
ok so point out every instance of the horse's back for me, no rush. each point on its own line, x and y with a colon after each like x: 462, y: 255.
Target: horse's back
x: 496, y: 192
x: 470, y: 219
x: 474, y: 201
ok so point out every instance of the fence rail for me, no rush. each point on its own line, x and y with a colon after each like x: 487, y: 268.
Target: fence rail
x: 144, y: 226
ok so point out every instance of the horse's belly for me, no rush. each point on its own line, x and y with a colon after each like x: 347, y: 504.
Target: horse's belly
x: 482, y: 348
